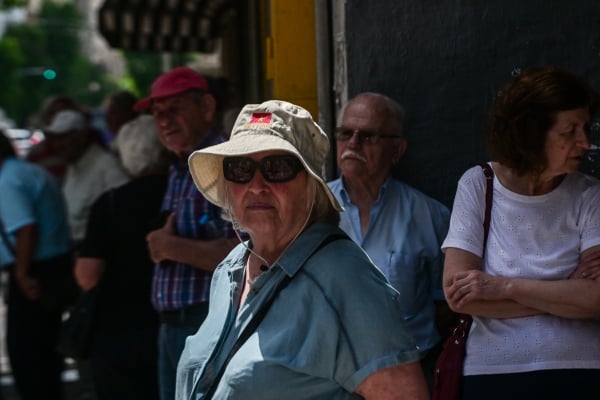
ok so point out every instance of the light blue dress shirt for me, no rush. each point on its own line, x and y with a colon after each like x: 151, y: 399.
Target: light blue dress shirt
x: 404, y: 236
x: 30, y: 195
x: 333, y: 325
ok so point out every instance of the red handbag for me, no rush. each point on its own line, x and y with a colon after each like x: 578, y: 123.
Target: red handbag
x: 449, y: 365
x: 448, y: 373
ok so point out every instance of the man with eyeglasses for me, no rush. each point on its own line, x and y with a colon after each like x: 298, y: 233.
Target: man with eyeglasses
x: 399, y: 227
x: 194, y: 238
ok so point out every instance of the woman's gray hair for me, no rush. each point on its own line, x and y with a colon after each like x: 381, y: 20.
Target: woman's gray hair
x: 139, y: 149
x: 322, y: 210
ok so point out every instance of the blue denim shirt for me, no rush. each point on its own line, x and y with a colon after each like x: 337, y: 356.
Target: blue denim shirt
x: 333, y: 325
x: 403, y: 239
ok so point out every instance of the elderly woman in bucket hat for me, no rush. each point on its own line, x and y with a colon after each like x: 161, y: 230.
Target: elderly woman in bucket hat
x: 298, y: 311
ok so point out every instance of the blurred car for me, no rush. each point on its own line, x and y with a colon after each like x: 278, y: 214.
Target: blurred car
x: 24, y: 139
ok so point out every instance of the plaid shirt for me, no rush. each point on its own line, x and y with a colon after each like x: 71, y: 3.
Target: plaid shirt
x: 176, y: 285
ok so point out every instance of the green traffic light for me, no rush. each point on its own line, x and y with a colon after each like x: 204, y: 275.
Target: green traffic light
x: 49, y: 74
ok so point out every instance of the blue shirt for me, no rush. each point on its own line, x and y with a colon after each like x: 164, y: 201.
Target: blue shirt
x: 30, y: 195
x: 177, y: 285
x: 406, y: 229
x: 332, y: 326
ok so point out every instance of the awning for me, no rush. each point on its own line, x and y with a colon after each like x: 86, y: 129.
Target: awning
x: 162, y: 25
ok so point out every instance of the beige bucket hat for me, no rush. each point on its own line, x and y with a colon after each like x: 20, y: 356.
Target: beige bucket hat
x: 272, y: 125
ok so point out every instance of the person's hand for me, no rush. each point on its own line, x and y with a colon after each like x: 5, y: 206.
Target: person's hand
x: 588, y: 268
x: 475, y: 285
x: 157, y: 240
x: 85, y: 279
x: 88, y: 272
x: 29, y: 286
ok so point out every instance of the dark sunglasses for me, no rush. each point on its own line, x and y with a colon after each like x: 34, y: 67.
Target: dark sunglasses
x: 276, y: 169
x: 343, y: 134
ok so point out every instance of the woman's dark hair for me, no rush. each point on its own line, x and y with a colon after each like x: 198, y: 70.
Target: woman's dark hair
x: 525, y: 110
x: 6, y: 147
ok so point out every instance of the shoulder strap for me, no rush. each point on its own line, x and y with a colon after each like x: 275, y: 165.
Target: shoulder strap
x: 253, y: 324
x: 489, y: 192
x: 465, y: 319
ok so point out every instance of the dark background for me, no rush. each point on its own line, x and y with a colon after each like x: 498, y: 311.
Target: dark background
x: 444, y: 61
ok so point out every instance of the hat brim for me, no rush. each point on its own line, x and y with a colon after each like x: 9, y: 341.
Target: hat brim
x: 146, y: 102
x: 206, y: 165
x: 143, y: 104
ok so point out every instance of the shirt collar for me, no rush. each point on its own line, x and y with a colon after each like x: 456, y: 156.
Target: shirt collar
x: 346, y: 199
x: 181, y: 163
x: 303, y: 247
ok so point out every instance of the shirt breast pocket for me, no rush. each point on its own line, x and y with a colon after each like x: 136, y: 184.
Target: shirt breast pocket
x: 406, y: 272
x: 200, y: 220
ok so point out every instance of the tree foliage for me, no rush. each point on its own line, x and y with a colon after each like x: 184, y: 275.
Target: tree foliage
x: 11, y: 57
x: 52, y: 42
x: 49, y: 43
x: 144, y: 67
x: 12, y: 3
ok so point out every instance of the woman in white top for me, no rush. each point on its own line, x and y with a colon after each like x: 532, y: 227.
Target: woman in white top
x: 535, y: 294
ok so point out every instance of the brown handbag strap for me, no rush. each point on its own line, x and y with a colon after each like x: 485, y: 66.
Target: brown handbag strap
x: 489, y: 191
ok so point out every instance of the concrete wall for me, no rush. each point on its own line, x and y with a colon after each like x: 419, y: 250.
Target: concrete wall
x: 445, y: 60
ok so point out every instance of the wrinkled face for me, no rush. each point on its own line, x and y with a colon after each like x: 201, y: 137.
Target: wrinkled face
x: 270, y: 211
x: 182, y: 121
x: 567, y: 141
x: 362, y: 160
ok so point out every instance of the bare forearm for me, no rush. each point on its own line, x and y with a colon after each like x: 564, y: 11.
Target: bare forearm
x: 88, y: 271
x: 478, y: 293
x: 402, y: 382
x: 496, y: 309
x: 25, y: 248
x: 24, y: 251
x: 469, y: 291
x: 573, y: 298
x: 472, y: 291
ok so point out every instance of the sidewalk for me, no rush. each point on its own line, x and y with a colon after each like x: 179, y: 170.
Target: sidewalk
x: 73, y: 388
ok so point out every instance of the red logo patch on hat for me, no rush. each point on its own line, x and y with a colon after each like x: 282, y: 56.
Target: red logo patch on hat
x: 260, y: 118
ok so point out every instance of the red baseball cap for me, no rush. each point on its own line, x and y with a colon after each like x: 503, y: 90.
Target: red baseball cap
x: 176, y: 81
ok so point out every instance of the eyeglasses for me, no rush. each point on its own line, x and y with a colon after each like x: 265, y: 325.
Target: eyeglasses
x: 275, y: 169
x: 364, y: 137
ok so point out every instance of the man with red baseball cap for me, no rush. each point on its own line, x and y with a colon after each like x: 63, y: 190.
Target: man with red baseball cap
x: 194, y: 238
x: 178, y: 80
